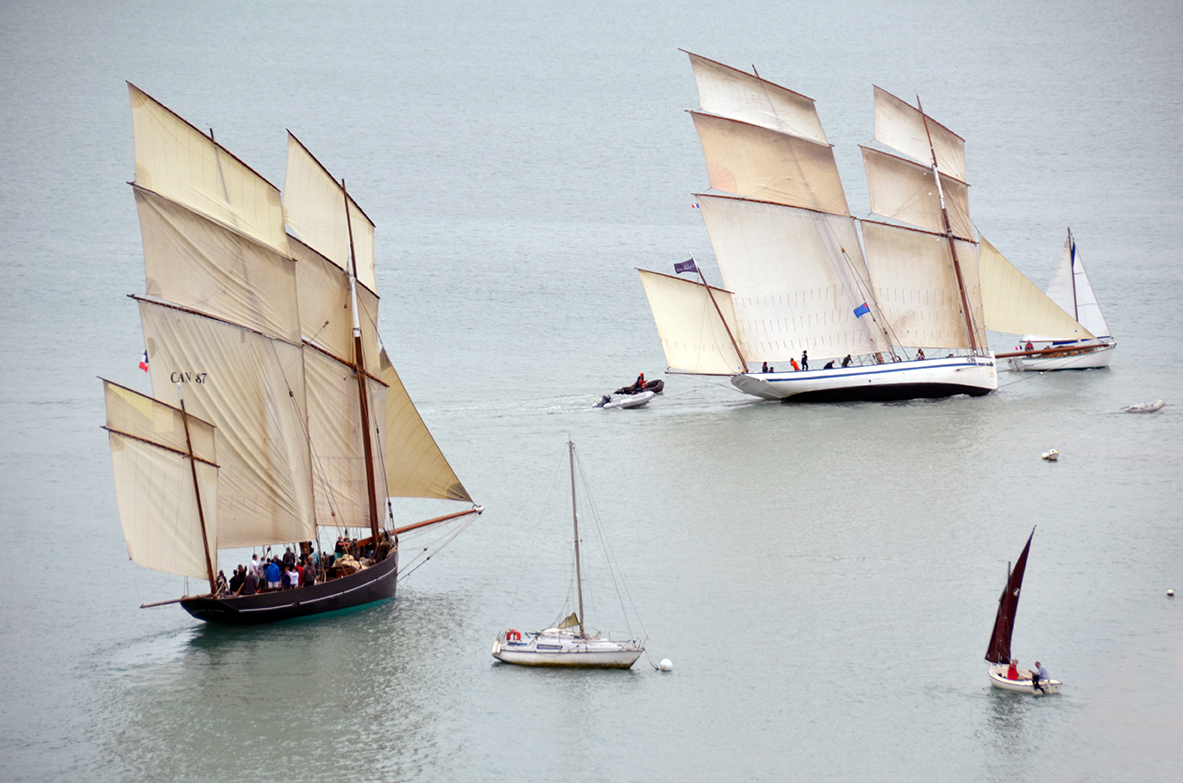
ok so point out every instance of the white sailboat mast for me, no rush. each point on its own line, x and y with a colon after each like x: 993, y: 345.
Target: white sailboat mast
x: 1072, y: 269
x: 359, y: 365
x: 575, y: 525
x: 969, y: 324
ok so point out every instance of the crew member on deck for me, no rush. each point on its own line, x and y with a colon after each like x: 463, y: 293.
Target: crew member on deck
x: 1012, y: 673
x: 805, y: 360
x: 846, y: 361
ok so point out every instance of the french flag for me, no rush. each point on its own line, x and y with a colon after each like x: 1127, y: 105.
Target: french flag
x: 144, y: 362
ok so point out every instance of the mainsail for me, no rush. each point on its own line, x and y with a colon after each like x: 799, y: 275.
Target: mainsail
x: 1008, y: 604
x: 268, y: 341
x: 1071, y: 290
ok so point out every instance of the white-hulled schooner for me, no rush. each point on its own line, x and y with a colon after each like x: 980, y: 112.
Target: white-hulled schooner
x: 795, y: 278
x: 275, y: 411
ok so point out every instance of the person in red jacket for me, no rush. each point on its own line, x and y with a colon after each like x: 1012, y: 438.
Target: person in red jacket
x: 1013, y: 672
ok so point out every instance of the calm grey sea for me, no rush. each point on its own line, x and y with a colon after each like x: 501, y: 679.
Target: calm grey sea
x: 823, y: 578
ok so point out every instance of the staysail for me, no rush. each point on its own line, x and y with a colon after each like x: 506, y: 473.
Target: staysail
x: 694, y: 338
x: 1012, y: 303
x: 1008, y: 605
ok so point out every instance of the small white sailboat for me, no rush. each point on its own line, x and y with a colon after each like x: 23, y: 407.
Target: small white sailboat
x: 1071, y: 290
x: 998, y: 653
x: 569, y: 644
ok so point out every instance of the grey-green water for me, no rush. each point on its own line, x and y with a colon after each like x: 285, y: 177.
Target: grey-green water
x: 824, y: 578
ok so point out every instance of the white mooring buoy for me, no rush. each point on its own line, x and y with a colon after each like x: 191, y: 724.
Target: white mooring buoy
x: 666, y: 665
x: 1170, y: 594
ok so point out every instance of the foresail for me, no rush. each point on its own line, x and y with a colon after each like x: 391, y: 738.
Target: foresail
x: 768, y: 165
x: 314, y: 206
x: 199, y: 263
x: 415, y: 466
x: 1012, y: 303
x: 796, y: 277
x: 905, y: 191
x: 916, y: 286
x: 902, y: 127
x: 728, y: 92
x: 692, y: 334
x: 335, y: 435
x: 181, y: 163
x: 252, y: 385
x: 154, y: 483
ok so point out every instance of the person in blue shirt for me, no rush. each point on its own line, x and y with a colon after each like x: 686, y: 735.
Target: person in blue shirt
x: 273, y: 575
x: 1039, y: 675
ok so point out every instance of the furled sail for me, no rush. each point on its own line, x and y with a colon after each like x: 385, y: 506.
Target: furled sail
x: 199, y: 263
x: 729, y: 92
x: 998, y: 650
x: 904, y: 191
x: 1071, y: 290
x: 796, y: 278
x: 916, y: 285
x: 415, y: 466
x: 314, y: 206
x: 253, y: 385
x: 179, y: 162
x: 902, y: 127
x: 1012, y: 303
x: 154, y: 482
x: 768, y: 165
x: 694, y: 338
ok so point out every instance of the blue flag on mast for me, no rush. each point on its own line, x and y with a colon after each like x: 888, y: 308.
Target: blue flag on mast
x: 861, y: 310
x: 685, y: 266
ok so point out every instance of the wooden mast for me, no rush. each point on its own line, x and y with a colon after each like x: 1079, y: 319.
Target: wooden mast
x: 209, y: 563
x: 359, y: 366
x: 575, y: 524
x: 734, y: 344
x: 969, y: 323
x: 1072, y: 272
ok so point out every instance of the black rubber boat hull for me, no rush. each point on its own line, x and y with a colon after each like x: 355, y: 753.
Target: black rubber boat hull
x: 376, y: 583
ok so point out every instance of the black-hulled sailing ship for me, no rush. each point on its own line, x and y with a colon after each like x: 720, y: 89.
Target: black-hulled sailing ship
x: 275, y: 411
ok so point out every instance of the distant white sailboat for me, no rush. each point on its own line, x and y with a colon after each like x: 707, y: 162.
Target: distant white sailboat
x: 569, y: 644
x: 1071, y: 290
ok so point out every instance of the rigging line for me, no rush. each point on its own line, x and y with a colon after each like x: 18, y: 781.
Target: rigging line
x: 452, y: 537
x: 613, y: 565
x: 556, y: 476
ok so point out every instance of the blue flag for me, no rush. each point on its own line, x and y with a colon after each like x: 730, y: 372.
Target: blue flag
x: 861, y: 310
x: 685, y: 266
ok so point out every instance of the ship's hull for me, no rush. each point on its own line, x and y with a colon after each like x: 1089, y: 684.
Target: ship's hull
x: 1084, y: 357
x: 998, y: 679
x: 922, y: 378
x: 376, y: 583
x: 565, y: 650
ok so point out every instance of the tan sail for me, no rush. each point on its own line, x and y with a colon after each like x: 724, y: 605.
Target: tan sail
x: 198, y: 263
x: 902, y: 127
x: 767, y: 165
x: 253, y: 385
x: 692, y: 334
x: 154, y: 482
x: 315, y: 209
x: 415, y: 466
x: 905, y: 191
x: 335, y: 437
x: 181, y: 163
x: 1012, y: 303
x: 325, y: 316
x: 916, y: 285
x: 796, y: 278
x: 728, y: 92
